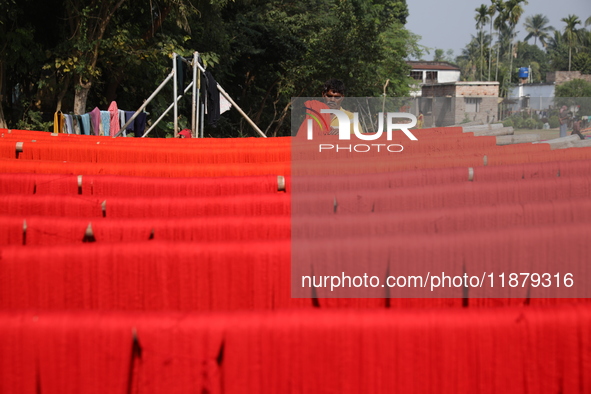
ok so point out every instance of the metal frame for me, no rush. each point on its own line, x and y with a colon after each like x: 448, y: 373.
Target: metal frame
x: 197, y: 114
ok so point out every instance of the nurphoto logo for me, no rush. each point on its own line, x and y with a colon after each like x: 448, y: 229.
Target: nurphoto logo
x: 394, y: 121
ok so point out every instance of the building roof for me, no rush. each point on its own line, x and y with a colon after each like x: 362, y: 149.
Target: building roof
x: 444, y: 66
x: 470, y: 83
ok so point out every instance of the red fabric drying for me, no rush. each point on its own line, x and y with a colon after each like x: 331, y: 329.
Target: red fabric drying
x: 511, y: 350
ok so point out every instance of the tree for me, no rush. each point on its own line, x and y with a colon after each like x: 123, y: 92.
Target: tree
x: 532, y: 55
x: 570, y: 34
x: 22, y: 53
x: 481, y: 20
x: 557, y: 51
x: 574, y: 93
x: 88, y: 22
x: 439, y: 55
x: 491, y: 13
x: 57, y: 53
x: 514, y: 12
x: 469, y: 61
x: 500, y: 7
x: 536, y: 27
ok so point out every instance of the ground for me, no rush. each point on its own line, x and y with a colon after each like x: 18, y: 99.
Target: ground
x: 544, y: 134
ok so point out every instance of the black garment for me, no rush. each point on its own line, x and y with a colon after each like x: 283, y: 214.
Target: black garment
x: 181, y: 73
x: 139, y: 124
x: 213, y: 100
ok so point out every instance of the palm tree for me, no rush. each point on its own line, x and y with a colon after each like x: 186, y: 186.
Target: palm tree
x: 570, y: 34
x: 491, y: 13
x: 514, y: 12
x: 468, y: 60
x: 498, y: 6
x: 588, y: 22
x: 537, y: 27
x: 481, y: 19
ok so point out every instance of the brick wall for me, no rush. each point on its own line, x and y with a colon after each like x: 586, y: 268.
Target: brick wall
x: 478, y: 90
x: 449, y: 105
x: 560, y: 77
x: 438, y: 90
x: 461, y: 90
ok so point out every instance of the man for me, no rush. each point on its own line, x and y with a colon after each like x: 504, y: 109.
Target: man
x: 333, y: 93
x: 577, y: 127
x: 563, y: 118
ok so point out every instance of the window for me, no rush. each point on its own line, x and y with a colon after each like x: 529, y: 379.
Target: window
x: 426, y: 105
x: 472, y: 104
x: 432, y: 76
x: 418, y: 75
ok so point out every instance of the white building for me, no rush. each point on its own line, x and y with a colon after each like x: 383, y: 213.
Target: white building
x: 536, y: 96
x: 430, y: 73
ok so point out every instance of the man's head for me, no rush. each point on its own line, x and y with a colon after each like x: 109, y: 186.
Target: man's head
x: 333, y: 93
x: 564, y: 108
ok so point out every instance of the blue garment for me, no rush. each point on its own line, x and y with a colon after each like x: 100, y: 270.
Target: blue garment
x: 128, y: 115
x: 69, y: 124
x: 140, y: 124
x: 106, y: 121
x: 85, y: 124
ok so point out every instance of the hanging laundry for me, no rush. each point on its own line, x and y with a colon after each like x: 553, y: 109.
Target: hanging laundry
x: 122, y: 122
x: 128, y: 115
x: 181, y: 68
x: 105, y: 122
x: 85, y: 124
x: 213, y: 100
x: 113, y: 119
x: 95, y: 119
x: 140, y: 124
x: 58, y: 122
x: 77, y: 124
x: 69, y: 124
x: 225, y: 105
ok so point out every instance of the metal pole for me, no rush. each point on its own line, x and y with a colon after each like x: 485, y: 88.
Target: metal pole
x: 145, y: 104
x: 227, y: 96
x: 254, y: 126
x: 197, y: 106
x: 194, y: 99
x: 167, y: 110
x: 202, y: 119
x: 175, y: 95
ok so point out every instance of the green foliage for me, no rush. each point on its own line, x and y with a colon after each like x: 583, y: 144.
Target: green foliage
x: 466, y: 118
x: 575, y: 93
x: 518, y: 122
x: 262, y: 53
x: 530, y: 123
x: 32, y: 120
x: 537, y: 27
x: 523, y: 120
x: 582, y: 62
x: 574, y: 88
x: 531, y: 55
x: 554, y: 121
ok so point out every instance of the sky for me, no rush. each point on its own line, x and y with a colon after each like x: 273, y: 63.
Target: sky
x: 449, y: 24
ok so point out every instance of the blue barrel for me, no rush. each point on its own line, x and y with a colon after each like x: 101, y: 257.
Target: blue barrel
x: 523, y: 72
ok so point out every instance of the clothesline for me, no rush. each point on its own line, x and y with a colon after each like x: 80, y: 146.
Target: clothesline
x: 100, y: 123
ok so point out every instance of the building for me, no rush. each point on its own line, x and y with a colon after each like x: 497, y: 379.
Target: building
x: 452, y: 103
x: 537, y: 96
x: 540, y: 96
x: 430, y: 73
